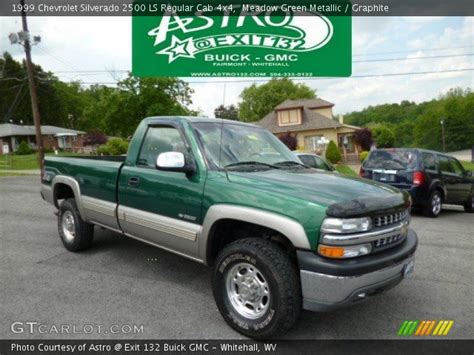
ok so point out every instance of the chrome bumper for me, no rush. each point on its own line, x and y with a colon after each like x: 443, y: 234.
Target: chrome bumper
x: 323, y: 292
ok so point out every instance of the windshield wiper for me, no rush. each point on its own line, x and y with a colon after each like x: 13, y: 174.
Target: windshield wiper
x: 290, y: 163
x: 242, y: 163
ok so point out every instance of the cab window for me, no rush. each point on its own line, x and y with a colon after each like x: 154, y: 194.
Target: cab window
x: 444, y: 165
x: 456, y: 166
x: 160, y: 140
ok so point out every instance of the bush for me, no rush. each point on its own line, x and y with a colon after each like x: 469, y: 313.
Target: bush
x: 114, y: 146
x: 24, y: 149
x: 384, y: 137
x: 290, y: 141
x: 333, y: 154
x: 363, y: 137
x: 363, y: 155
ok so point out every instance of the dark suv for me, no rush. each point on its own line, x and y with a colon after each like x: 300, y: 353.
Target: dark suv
x: 430, y: 177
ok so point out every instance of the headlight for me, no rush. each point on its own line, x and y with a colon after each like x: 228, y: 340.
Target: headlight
x: 349, y: 251
x: 346, y: 225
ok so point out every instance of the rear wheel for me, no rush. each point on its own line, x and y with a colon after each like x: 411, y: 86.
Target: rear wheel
x: 435, y: 204
x: 75, y: 234
x: 469, y: 205
x: 256, y: 288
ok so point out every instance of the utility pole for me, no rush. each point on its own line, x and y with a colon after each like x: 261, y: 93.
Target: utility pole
x: 33, y: 94
x: 442, y: 135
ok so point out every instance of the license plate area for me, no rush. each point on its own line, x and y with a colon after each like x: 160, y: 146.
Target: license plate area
x: 384, y: 175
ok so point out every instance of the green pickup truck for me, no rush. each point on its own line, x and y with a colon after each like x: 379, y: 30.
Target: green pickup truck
x: 280, y: 236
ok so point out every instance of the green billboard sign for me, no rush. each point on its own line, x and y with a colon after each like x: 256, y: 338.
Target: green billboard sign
x: 242, y: 42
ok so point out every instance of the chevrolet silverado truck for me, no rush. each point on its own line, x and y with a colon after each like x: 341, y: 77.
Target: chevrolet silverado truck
x: 280, y: 236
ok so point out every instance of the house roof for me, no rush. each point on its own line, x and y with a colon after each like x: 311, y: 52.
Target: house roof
x: 311, y: 119
x: 10, y: 129
x: 304, y: 103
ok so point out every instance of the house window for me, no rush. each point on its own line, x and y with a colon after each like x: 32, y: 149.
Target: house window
x: 289, y: 117
x: 311, y: 142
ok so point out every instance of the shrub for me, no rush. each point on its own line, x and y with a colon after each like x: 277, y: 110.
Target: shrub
x: 384, y: 137
x: 363, y: 137
x: 332, y: 153
x: 114, y: 146
x: 290, y: 141
x: 363, y: 156
x: 23, y: 149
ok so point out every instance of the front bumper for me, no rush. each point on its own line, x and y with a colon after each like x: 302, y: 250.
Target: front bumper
x: 330, y: 284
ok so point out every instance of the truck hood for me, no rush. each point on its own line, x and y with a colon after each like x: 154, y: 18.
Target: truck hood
x: 343, y: 195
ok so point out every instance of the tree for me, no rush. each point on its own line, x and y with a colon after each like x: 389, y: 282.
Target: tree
x: 257, y: 101
x: 332, y: 153
x: 290, y: 141
x: 230, y: 112
x: 95, y: 138
x: 363, y: 137
x: 384, y: 136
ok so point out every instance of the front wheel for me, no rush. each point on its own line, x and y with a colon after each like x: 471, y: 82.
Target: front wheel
x: 435, y: 204
x: 469, y: 205
x: 256, y: 287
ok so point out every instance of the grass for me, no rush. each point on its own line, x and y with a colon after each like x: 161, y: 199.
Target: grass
x: 467, y: 165
x: 24, y: 162
x: 346, y: 170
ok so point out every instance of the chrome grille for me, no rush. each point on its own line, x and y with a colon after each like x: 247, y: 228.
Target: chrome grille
x: 386, y: 220
x: 387, y: 241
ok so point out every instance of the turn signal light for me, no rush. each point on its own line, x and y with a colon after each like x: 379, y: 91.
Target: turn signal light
x: 418, y: 178
x: 331, y: 252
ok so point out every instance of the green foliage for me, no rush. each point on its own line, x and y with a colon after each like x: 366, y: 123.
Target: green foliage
x: 363, y: 155
x: 383, y: 136
x: 228, y: 112
x: 333, y: 154
x: 346, y: 170
x: 114, y: 146
x: 23, y: 149
x: 418, y: 125
x: 257, y: 101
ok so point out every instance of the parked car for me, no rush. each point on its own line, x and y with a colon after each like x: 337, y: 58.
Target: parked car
x: 431, y: 178
x: 315, y: 161
x: 279, y: 235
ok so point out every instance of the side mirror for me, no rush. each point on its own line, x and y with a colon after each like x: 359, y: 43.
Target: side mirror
x: 468, y: 172
x: 174, y: 161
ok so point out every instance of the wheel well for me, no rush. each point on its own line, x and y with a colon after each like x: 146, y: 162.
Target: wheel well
x: 61, y: 192
x: 226, y: 231
x: 441, y: 191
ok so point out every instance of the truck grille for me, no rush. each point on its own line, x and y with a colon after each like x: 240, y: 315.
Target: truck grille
x: 382, y: 221
x: 387, y: 241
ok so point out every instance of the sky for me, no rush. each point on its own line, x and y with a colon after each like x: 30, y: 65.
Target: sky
x: 104, y: 44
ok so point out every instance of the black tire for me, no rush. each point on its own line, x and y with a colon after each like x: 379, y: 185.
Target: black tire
x: 431, y: 210
x: 469, y: 205
x: 280, y: 275
x: 81, y: 233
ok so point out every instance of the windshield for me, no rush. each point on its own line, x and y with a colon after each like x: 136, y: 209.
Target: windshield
x: 391, y: 159
x: 242, y: 145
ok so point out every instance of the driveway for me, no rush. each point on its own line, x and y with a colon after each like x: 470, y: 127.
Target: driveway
x: 122, y: 281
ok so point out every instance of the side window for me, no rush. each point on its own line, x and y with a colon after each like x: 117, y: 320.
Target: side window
x: 444, y: 165
x: 159, y: 140
x: 320, y: 164
x: 308, y: 160
x: 429, y: 161
x: 456, y: 166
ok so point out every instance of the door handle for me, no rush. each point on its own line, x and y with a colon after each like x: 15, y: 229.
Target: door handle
x: 134, y: 181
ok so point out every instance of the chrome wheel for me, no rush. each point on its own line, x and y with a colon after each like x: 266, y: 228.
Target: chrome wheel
x: 69, y: 229
x: 247, y: 290
x: 436, y: 204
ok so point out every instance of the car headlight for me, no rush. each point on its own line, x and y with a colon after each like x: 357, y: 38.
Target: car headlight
x: 346, y: 225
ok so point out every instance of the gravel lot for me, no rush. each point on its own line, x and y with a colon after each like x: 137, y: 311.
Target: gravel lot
x: 122, y: 281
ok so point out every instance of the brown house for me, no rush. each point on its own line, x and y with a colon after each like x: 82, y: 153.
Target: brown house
x: 53, y: 137
x: 310, y: 120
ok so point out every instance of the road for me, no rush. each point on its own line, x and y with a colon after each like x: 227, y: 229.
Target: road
x: 122, y: 281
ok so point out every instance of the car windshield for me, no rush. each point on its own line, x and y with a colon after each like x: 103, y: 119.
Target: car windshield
x: 391, y: 159
x: 243, y: 147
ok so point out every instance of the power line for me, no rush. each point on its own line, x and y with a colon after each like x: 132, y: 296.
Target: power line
x: 355, y: 61
x: 411, y: 51
x: 305, y: 79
